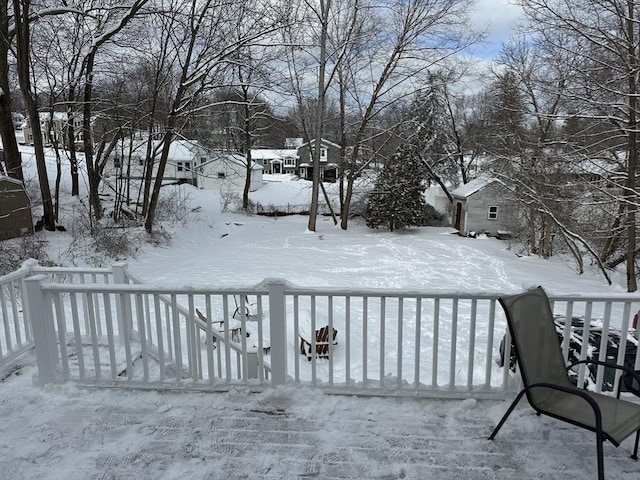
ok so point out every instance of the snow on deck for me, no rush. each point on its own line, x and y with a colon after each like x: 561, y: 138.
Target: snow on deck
x: 69, y: 432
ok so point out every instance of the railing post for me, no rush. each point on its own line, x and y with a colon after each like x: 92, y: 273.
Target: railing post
x: 278, y: 332
x: 123, y: 308
x: 28, y: 266
x: 44, y: 334
x: 252, y: 364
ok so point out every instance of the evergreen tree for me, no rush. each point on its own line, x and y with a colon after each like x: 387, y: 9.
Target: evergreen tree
x: 397, y: 200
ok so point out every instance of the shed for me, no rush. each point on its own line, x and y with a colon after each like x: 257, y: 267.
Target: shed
x: 227, y: 173
x: 15, y: 209
x: 482, y: 206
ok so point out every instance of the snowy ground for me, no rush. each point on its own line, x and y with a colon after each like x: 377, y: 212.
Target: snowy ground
x: 70, y: 433
x: 67, y: 433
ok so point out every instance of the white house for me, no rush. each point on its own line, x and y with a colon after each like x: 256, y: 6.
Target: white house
x: 276, y: 161
x: 226, y: 172
x: 182, y: 162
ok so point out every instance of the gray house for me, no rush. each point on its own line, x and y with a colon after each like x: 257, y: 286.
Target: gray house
x: 482, y: 206
x: 329, y: 158
x: 15, y: 209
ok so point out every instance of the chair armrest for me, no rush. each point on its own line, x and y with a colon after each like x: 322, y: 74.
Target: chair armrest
x: 629, y: 371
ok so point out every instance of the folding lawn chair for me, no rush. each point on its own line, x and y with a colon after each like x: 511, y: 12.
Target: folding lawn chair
x: 546, y: 382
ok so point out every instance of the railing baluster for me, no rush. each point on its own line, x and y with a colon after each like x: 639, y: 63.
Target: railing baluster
x: 161, y: 347
x: 383, y: 311
x: 399, y: 342
x: 472, y: 343
x: 142, y: 336
x: 14, y: 311
x: 454, y: 344
x: 77, y: 334
x: 108, y: 317
x: 347, y: 340
x: 365, y: 355
x: 418, y: 341
x: 435, y: 343
x: 490, y: 335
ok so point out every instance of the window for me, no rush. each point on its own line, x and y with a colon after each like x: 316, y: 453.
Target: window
x: 202, y: 160
x: 493, y: 213
x: 221, y: 175
x: 290, y: 162
x: 323, y: 153
x: 180, y: 167
x: 116, y: 162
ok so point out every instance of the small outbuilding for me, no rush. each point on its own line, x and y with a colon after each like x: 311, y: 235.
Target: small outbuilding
x: 15, y: 209
x: 227, y: 173
x: 482, y: 206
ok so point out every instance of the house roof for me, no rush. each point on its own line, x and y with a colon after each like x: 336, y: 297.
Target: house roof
x: 4, y: 178
x: 472, y: 187
x: 180, y: 150
x: 272, y: 154
x: 323, y: 141
x: 232, y: 158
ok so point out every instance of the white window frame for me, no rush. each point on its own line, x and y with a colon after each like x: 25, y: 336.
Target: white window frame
x: 492, y: 212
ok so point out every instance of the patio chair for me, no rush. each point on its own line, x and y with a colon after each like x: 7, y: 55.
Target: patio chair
x: 322, y: 343
x: 546, y: 382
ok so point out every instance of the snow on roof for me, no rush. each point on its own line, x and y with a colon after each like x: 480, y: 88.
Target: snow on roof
x: 472, y: 187
x: 5, y: 178
x: 323, y: 141
x: 272, y: 154
x: 182, y: 150
x: 233, y: 158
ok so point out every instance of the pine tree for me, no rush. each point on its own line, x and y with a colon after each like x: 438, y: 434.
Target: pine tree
x: 397, y: 200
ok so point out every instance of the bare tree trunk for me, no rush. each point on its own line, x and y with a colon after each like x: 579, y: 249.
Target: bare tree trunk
x: 325, y: 6
x: 12, y: 160
x: 632, y: 285
x: 22, y: 23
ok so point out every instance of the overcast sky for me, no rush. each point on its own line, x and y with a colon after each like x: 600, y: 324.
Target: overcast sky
x: 499, y: 17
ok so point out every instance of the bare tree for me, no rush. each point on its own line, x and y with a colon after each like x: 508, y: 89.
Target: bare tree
x: 602, y: 36
x: 22, y: 21
x: 385, y: 54
x: 204, y: 33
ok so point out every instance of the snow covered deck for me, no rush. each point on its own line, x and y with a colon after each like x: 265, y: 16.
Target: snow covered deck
x: 67, y: 432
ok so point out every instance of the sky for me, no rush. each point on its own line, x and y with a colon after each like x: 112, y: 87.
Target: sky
x: 499, y: 18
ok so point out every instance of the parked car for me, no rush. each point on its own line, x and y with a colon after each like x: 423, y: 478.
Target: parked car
x: 629, y: 384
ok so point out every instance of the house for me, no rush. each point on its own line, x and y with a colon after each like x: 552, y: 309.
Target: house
x: 15, y: 209
x: 227, y: 172
x: 329, y: 159
x: 185, y: 156
x: 54, y: 128
x: 482, y: 205
x: 275, y: 161
x: 187, y: 162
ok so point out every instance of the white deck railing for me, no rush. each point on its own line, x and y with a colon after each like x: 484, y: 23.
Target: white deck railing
x: 15, y: 326
x: 113, y: 330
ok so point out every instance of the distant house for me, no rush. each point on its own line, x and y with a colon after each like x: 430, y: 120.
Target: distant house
x: 187, y: 162
x: 329, y: 159
x: 276, y: 161
x: 227, y: 172
x: 184, y: 157
x: 54, y: 128
x: 15, y: 209
x: 482, y: 206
